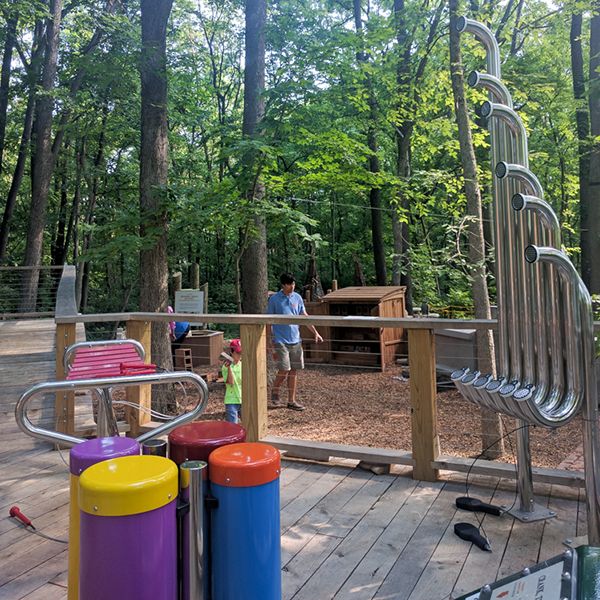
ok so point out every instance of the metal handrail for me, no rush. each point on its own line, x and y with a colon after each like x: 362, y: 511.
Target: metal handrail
x: 48, y: 435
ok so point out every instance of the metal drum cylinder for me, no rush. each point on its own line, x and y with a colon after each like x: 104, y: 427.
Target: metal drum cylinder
x: 155, y: 447
x: 82, y: 456
x: 245, y: 543
x: 128, y: 529
x: 195, y: 441
x: 193, y: 544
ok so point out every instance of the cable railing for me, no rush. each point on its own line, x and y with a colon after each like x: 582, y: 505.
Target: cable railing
x: 15, y: 283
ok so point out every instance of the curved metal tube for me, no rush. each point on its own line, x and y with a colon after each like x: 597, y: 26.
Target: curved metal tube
x: 533, y: 287
x: 583, y: 308
x: 93, y: 384
x: 544, y: 210
x: 504, y: 169
x: 492, y: 84
x: 501, y: 149
x: 487, y: 38
x: 74, y: 347
x: 519, y: 317
x: 570, y: 405
x: 490, y: 110
x: 558, y: 311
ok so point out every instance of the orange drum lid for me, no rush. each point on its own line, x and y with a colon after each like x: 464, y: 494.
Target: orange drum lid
x: 244, y: 465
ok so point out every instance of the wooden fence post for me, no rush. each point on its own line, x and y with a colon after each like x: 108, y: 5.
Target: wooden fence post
x: 177, y: 277
x: 64, y: 403
x: 254, y: 381
x: 142, y: 394
x: 425, y: 440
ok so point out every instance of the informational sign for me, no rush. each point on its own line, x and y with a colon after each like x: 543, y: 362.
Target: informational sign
x: 543, y: 581
x: 541, y: 585
x: 189, y: 301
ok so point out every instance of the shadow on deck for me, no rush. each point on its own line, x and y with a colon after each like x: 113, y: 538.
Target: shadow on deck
x: 346, y: 533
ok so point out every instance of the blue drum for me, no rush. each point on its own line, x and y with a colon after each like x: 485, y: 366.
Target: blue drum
x: 246, y: 539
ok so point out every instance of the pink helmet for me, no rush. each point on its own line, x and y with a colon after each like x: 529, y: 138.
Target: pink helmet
x: 235, y: 345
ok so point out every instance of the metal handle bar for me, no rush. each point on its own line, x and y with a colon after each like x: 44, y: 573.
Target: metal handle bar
x: 126, y: 381
x: 74, y: 347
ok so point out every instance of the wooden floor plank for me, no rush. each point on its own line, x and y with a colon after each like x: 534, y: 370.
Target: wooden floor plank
x: 367, y: 578
x: 412, y: 560
x: 28, y: 582
x: 440, y: 576
x: 48, y: 591
x: 318, y: 519
x: 339, y: 565
x: 523, y: 547
x: 296, y: 487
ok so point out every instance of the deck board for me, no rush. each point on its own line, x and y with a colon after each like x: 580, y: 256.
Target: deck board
x: 346, y: 533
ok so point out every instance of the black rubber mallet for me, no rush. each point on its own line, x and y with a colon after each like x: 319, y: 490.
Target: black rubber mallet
x: 470, y: 533
x: 476, y: 505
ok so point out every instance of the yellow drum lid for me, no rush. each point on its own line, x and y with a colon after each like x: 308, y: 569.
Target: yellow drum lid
x: 128, y: 485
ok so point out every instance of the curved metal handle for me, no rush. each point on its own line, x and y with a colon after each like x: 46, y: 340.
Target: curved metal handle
x: 86, y: 384
x: 186, y: 417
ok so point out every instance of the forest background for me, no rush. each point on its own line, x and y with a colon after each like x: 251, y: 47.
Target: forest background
x: 354, y: 162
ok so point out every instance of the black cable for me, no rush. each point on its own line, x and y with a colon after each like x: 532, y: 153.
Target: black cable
x: 480, y: 520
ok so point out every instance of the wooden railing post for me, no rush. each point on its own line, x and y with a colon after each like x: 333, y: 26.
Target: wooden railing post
x: 254, y: 381
x: 141, y: 394
x: 425, y: 440
x: 64, y: 403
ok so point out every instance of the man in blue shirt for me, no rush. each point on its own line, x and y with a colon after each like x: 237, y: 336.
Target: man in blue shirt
x: 284, y: 341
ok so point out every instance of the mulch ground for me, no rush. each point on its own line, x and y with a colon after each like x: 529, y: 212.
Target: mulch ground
x: 370, y: 408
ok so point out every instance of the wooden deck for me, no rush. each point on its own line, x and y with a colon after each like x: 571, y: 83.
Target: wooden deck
x: 346, y: 533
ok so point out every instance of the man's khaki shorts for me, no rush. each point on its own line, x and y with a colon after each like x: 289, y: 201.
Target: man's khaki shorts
x: 289, y: 357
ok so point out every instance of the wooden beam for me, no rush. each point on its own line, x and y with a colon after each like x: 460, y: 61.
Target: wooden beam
x: 425, y: 440
x: 507, y: 471
x: 140, y: 395
x: 322, y: 451
x: 64, y: 403
x: 254, y: 381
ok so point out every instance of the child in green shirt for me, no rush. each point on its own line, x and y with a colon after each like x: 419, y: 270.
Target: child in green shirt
x: 232, y: 375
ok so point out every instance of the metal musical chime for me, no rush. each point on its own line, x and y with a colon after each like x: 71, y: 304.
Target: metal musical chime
x: 545, y: 323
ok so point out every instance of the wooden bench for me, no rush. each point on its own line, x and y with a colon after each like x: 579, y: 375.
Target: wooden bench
x: 89, y: 361
x: 105, y: 359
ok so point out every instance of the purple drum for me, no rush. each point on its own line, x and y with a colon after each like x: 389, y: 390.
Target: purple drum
x: 128, y: 529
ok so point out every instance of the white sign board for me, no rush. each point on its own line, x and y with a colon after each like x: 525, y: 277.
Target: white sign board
x: 189, y: 301
x: 541, y: 585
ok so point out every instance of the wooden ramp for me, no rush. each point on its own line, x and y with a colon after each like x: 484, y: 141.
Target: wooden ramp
x: 346, y: 533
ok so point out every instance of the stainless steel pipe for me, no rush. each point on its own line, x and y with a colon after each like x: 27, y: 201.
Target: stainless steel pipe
x: 582, y: 307
x: 47, y: 435
x: 195, y: 575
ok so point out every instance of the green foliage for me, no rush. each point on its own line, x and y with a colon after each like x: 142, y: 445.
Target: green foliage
x: 312, y: 152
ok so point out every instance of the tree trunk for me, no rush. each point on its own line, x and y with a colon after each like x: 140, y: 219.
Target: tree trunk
x: 593, y: 213
x: 583, y: 138
x: 9, y: 42
x: 154, y: 155
x: 43, y: 165
x: 374, y: 192
x: 17, y: 177
x: 403, y: 133
x: 491, y: 426
x: 254, y: 274
x: 57, y: 248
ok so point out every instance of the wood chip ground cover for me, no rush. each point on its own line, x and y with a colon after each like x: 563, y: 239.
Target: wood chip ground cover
x: 370, y: 408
